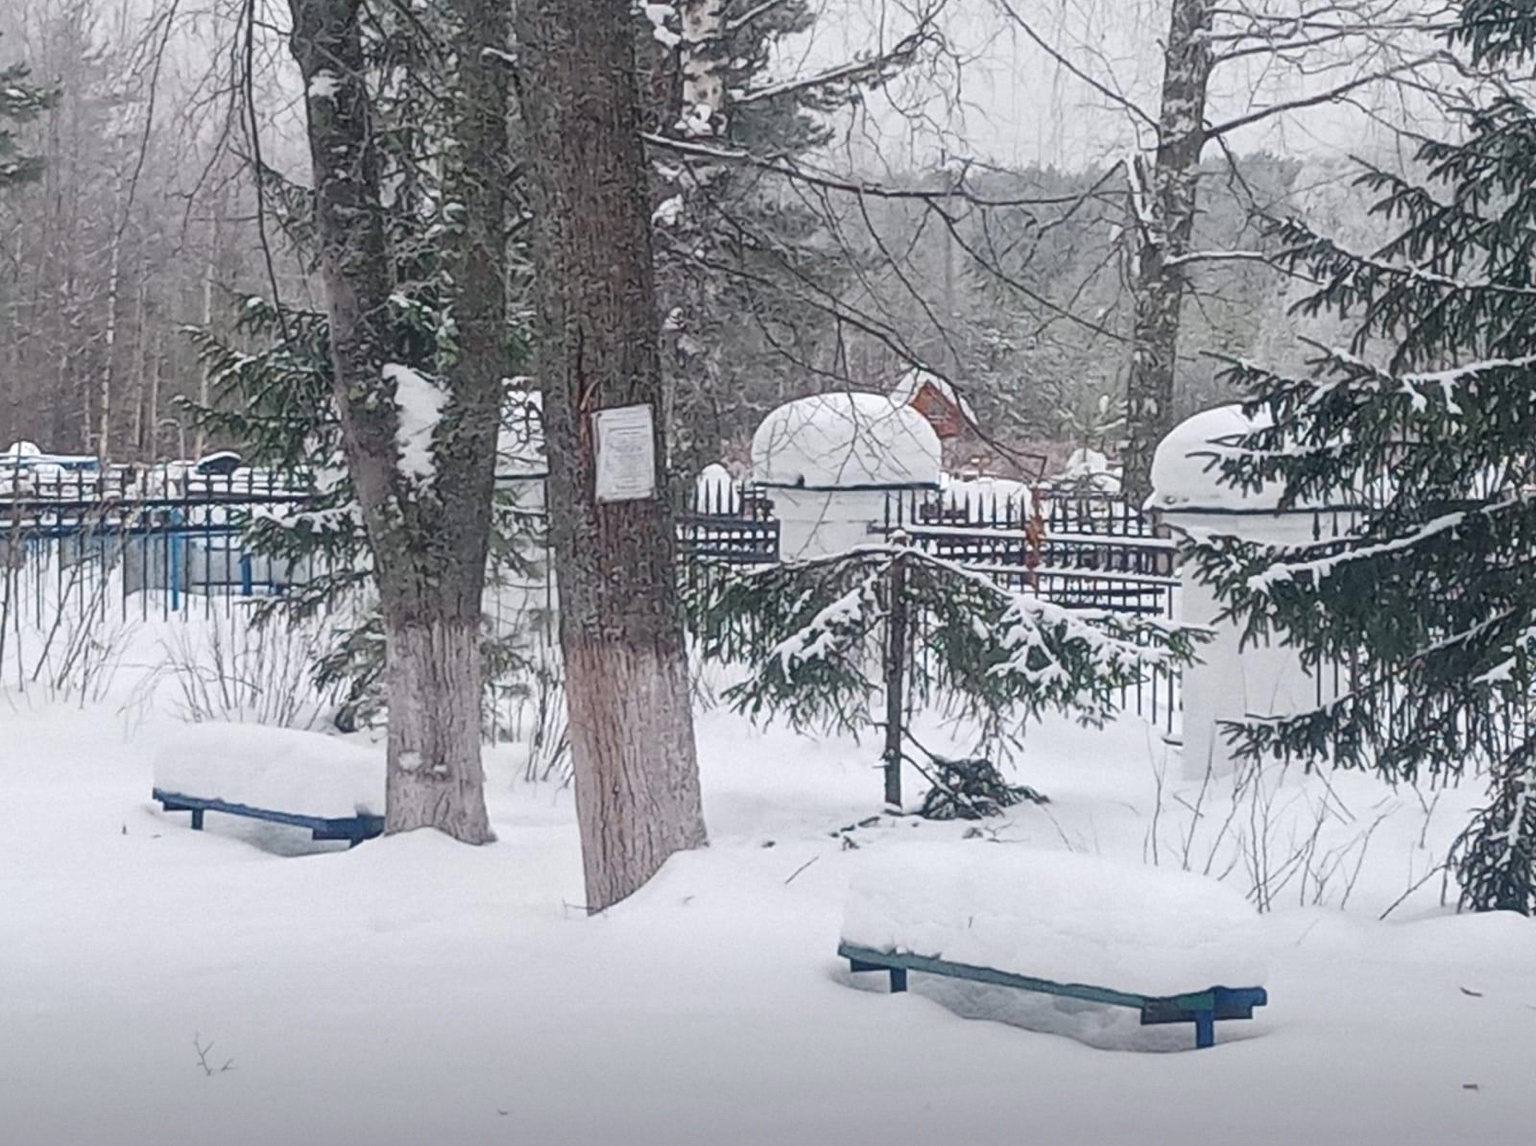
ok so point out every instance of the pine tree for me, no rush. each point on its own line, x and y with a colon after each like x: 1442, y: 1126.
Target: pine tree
x: 20, y: 102
x: 1427, y: 423
x: 825, y: 638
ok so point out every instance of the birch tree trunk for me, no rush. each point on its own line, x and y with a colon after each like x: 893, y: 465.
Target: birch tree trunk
x: 632, y: 743
x: 1163, y: 206
x: 702, y: 64
x: 109, y: 351
x: 429, y: 533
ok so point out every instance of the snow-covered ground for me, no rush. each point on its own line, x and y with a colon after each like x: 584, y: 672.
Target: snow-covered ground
x: 415, y: 991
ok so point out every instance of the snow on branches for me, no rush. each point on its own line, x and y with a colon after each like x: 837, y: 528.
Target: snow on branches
x: 1420, y: 435
x: 813, y: 634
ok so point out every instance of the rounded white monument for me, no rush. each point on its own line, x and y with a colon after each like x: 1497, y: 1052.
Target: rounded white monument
x: 1229, y: 682
x: 828, y: 463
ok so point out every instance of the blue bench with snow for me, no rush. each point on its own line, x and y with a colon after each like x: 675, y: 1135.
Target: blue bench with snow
x: 1173, y: 945
x: 329, y: 786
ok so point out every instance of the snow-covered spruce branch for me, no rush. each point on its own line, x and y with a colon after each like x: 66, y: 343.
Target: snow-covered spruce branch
x: 811, y: 633
x: 1320, y: 568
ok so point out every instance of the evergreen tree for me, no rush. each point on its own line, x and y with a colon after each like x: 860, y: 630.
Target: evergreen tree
x: 281, y: 400
x: 276, y: 402
x: 826, y: 638
x: 1428, y: 423
x: 20, y: 102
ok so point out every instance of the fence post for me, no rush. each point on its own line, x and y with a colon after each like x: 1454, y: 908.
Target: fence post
x: 895, y: 669
x: 173, y: 558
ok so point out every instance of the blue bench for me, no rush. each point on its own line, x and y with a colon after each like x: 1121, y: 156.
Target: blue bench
x: 1203, y: 1008
x: 354, y: 829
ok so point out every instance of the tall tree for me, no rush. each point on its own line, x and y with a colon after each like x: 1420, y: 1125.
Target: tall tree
x: 418, y: 418
x: 621, y: 632
x: 1322, y: 52
x: 749, y: 263
x: 1430, y: 421
x: 1162, y: 196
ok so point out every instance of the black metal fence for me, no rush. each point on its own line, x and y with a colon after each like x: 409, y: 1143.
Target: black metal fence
x: 1079, y: 551
x: 154, y: 546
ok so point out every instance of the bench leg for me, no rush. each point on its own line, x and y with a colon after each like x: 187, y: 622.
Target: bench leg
x: 197, y: 819
x: 898, y: 980
x: 1205, y: 1029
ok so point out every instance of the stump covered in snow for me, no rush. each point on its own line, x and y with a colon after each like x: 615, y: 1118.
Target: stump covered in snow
x: 829, y: 461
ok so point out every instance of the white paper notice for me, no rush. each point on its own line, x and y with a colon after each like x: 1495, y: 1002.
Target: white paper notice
x: 626, y: 453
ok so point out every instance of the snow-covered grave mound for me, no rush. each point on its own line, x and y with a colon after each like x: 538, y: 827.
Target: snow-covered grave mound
x: 1060, y: 916
x: 280, y: 769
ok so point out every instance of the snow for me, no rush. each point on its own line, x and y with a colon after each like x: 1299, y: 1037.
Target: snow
x: 843, y: 440
x: 421, y: 404
x: 659, y: 15
x: 669, y: 211
x: 1057, y: 916
x: 282, y: 769
x: 520, y: 441
x: 1088, y: 469
x: 1185, y: 470
x: 715, y: 491
x: 696, y: 121
x: 325, y: 85
x: 18, y: 450
x: 414, y: 990
x: 988, y: 498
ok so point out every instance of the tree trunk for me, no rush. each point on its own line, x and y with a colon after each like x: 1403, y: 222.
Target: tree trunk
x: 632, y: 745
x: 200, y: 444
x: 136, y: 370
x: 702, y: 64
x: 1163, y: 207
x: 434, y: 727
x: 429, y: 534
x: 156, y: 370
x: 109, y: 351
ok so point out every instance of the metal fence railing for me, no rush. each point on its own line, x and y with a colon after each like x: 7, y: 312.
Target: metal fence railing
x: 136, y: 549
x: 1079, y: 551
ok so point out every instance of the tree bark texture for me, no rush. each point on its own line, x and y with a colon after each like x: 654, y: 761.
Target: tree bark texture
x: 632, y: 743
x: 1163, y: 205
x: 434, y: 729
x: 429, y: 539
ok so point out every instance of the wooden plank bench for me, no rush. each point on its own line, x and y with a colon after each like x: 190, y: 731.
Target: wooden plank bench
x: 1203, y: 1008
x: 354, y: 829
